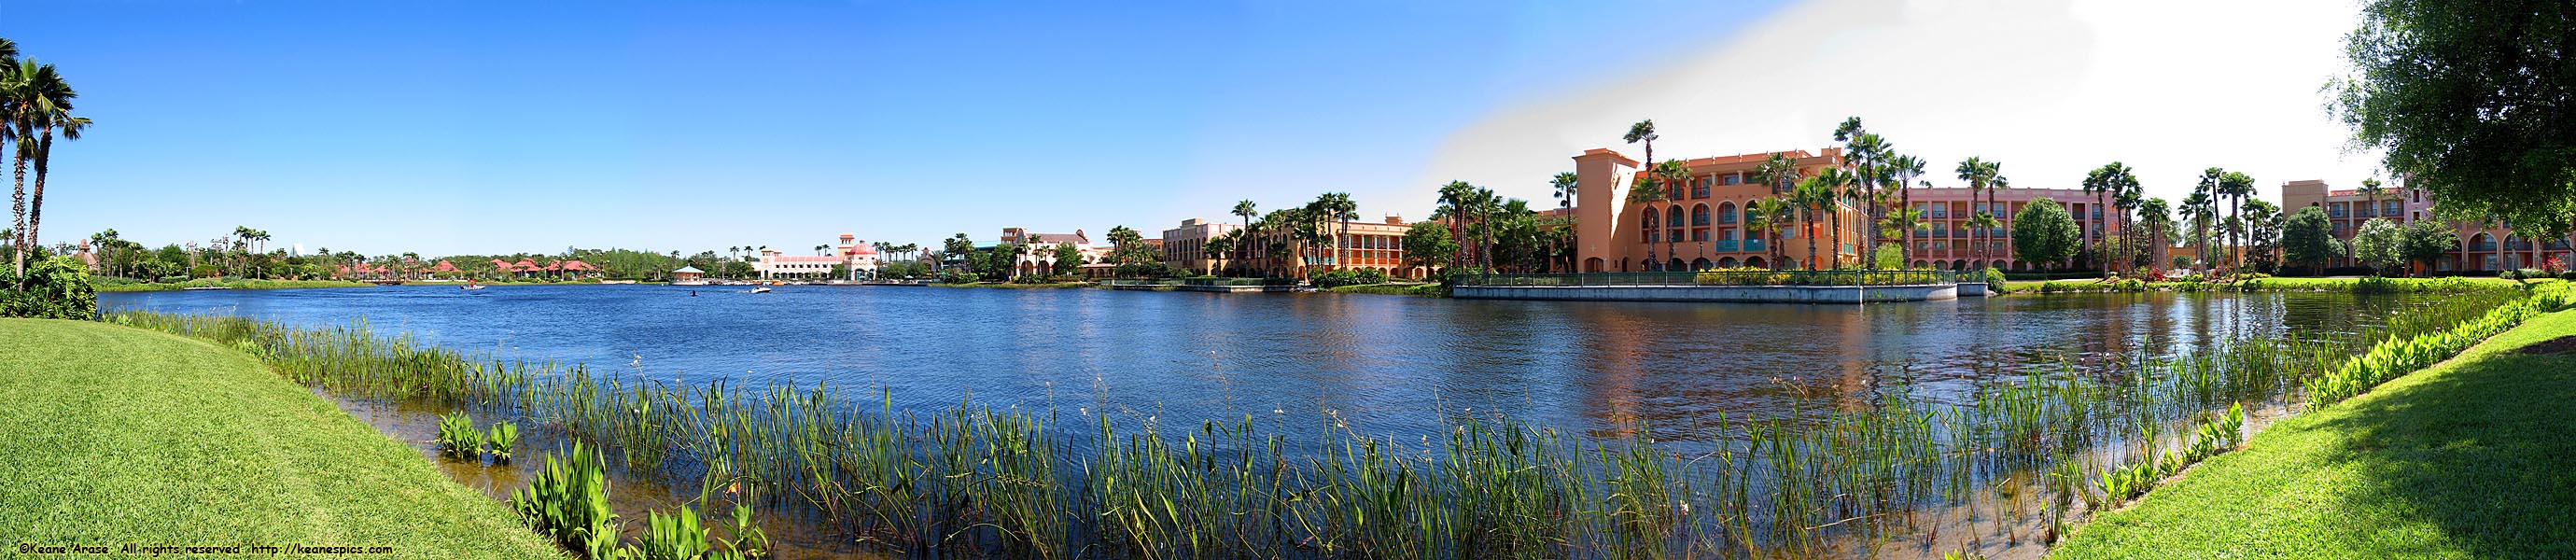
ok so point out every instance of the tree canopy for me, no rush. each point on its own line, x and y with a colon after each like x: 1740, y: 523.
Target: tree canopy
x: 2474, y: 101
x: 2043, y: 233
x: 2307, y: 238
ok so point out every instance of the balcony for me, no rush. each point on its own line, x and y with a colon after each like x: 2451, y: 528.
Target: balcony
x: 1727, y: 246
x: 1753, y: 245
x: 1727, y: 219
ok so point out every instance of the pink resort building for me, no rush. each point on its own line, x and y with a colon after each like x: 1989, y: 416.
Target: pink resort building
x: 859, y: 256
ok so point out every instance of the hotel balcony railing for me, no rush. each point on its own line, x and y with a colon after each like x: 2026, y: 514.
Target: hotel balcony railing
x: 1728, y: 245
x: 1720, y: 278
x: 2487, y: 246
x: 1726, y: 220
x: 2335, y: 213
x: 1753, y: 245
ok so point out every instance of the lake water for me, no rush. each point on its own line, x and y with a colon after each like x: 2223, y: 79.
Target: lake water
x: 1387, y: 365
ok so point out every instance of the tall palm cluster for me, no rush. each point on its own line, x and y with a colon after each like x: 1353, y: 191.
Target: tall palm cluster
x: 35, y: 107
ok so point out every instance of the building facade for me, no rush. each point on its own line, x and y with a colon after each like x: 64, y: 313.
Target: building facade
x: 1040, y: 259
x: 1377, y: 245
x: 859, y: 256
x: 1185, y: 247
x: 1947, y: 242
x: 1707, y: 221
x: 2483, y: 247
x: 1701, y: 224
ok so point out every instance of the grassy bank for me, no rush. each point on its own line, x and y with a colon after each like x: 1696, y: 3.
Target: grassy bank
x: 234, y: 284
x: 2360, y: 285
x: 1391, y: 288
x: 122, y: 435
x: 2467, y: 459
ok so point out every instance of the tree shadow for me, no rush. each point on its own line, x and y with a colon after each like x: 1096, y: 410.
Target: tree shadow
x: 2487, y: 453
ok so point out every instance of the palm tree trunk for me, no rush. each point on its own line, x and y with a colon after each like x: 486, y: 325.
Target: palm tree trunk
x: 18, y: 218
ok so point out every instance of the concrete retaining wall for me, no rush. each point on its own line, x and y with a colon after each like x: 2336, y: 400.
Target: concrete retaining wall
x: 1715, y: 294
x: 1183, y: 288
x: 1973, y: 289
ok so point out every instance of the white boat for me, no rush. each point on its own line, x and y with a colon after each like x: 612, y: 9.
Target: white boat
x: 760, y: 290
x: 470, y: 285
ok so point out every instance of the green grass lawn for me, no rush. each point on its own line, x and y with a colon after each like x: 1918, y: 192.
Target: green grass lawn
x: 2266, y: 284
x: 235, y: 284
x: 117, y: 435
x: 1391, y: 288
x: 2472, y: 458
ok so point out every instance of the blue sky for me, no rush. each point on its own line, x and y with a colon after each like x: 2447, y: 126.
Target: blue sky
x: 468, y: 127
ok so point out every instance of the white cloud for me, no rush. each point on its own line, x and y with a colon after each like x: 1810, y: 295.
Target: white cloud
x: 2050, y: 88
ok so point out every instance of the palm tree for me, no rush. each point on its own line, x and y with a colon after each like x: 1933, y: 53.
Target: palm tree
x: 2102, y: 183
x: 34, y: 100
x: 1982, y: 176
x: 1339, y: 207
x: 1453, y: 203
x: 1901, y: 223
x: 2195, y: 210
x: 1905, y: 169
x: 1870, y: 170
x: 1245, y: 209
x: 71, y: 128
x: 1565, y: 184
x: 1643, y: 131
x: 2202, y: 205
x: 2127, y: 200
x: 2158, y: 216
x: 1814, y: 195
x: 1766, y: 218
x: 2236, y: 186
x: 1839, y: 186
x: 1982, y: 222
x: 1217, y: 247
x: 1671, y: 174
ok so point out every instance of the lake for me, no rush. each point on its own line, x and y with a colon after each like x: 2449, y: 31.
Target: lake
x: 1387, y: 365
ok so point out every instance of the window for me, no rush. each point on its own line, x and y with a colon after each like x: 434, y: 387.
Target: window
x: 1699, y: 235
x: 1699, y: 187
x: 1734, y: 179
x: 1699, y: 215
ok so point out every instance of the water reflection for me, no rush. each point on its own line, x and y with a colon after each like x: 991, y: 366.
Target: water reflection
x: 1388, y: 365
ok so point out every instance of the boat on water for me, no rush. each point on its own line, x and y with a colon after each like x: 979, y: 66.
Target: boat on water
x: 760, y: 290
x: 207, y: 288
x: 470, y: 285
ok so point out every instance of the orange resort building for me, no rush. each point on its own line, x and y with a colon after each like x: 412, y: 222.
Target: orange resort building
x: 859, y: 256
x: 2484, y: 247
x: 1709, y: 221
x: 1372, y: 245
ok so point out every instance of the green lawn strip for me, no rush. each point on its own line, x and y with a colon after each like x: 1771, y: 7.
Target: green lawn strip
x: 2265, y: 285
x: 2472, y: 458
x: 119, y: 435
x: 1390, y: 288
x: 235, y: 284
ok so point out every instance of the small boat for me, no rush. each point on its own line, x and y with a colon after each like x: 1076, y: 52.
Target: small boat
x: 470, y: 285
x: 760, y: 290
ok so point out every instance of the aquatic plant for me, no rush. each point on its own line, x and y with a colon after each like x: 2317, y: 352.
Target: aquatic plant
x: 505, y: 440
x: 568, y: 501
x: 457, y: 437
x: 2396, y: 356
x: 677, y: 536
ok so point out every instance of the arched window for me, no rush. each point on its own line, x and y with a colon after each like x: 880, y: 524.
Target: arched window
x: 1699, y: 263
x: 1699, y: 215
x: 1725, y: 213
x: 1726, y: 262
x: 1649, y: 218
x: 1675, y: 218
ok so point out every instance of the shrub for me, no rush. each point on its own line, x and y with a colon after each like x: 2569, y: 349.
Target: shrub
x: 1349, y: 277
x: 1994, y: 280
x: 2131, y: 285
x: 54, y: 288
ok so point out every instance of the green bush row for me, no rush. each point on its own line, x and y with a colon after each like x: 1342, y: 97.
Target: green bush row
x: 2397, y: 356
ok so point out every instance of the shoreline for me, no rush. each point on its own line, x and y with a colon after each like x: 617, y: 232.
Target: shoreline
x: 2382, y: 474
